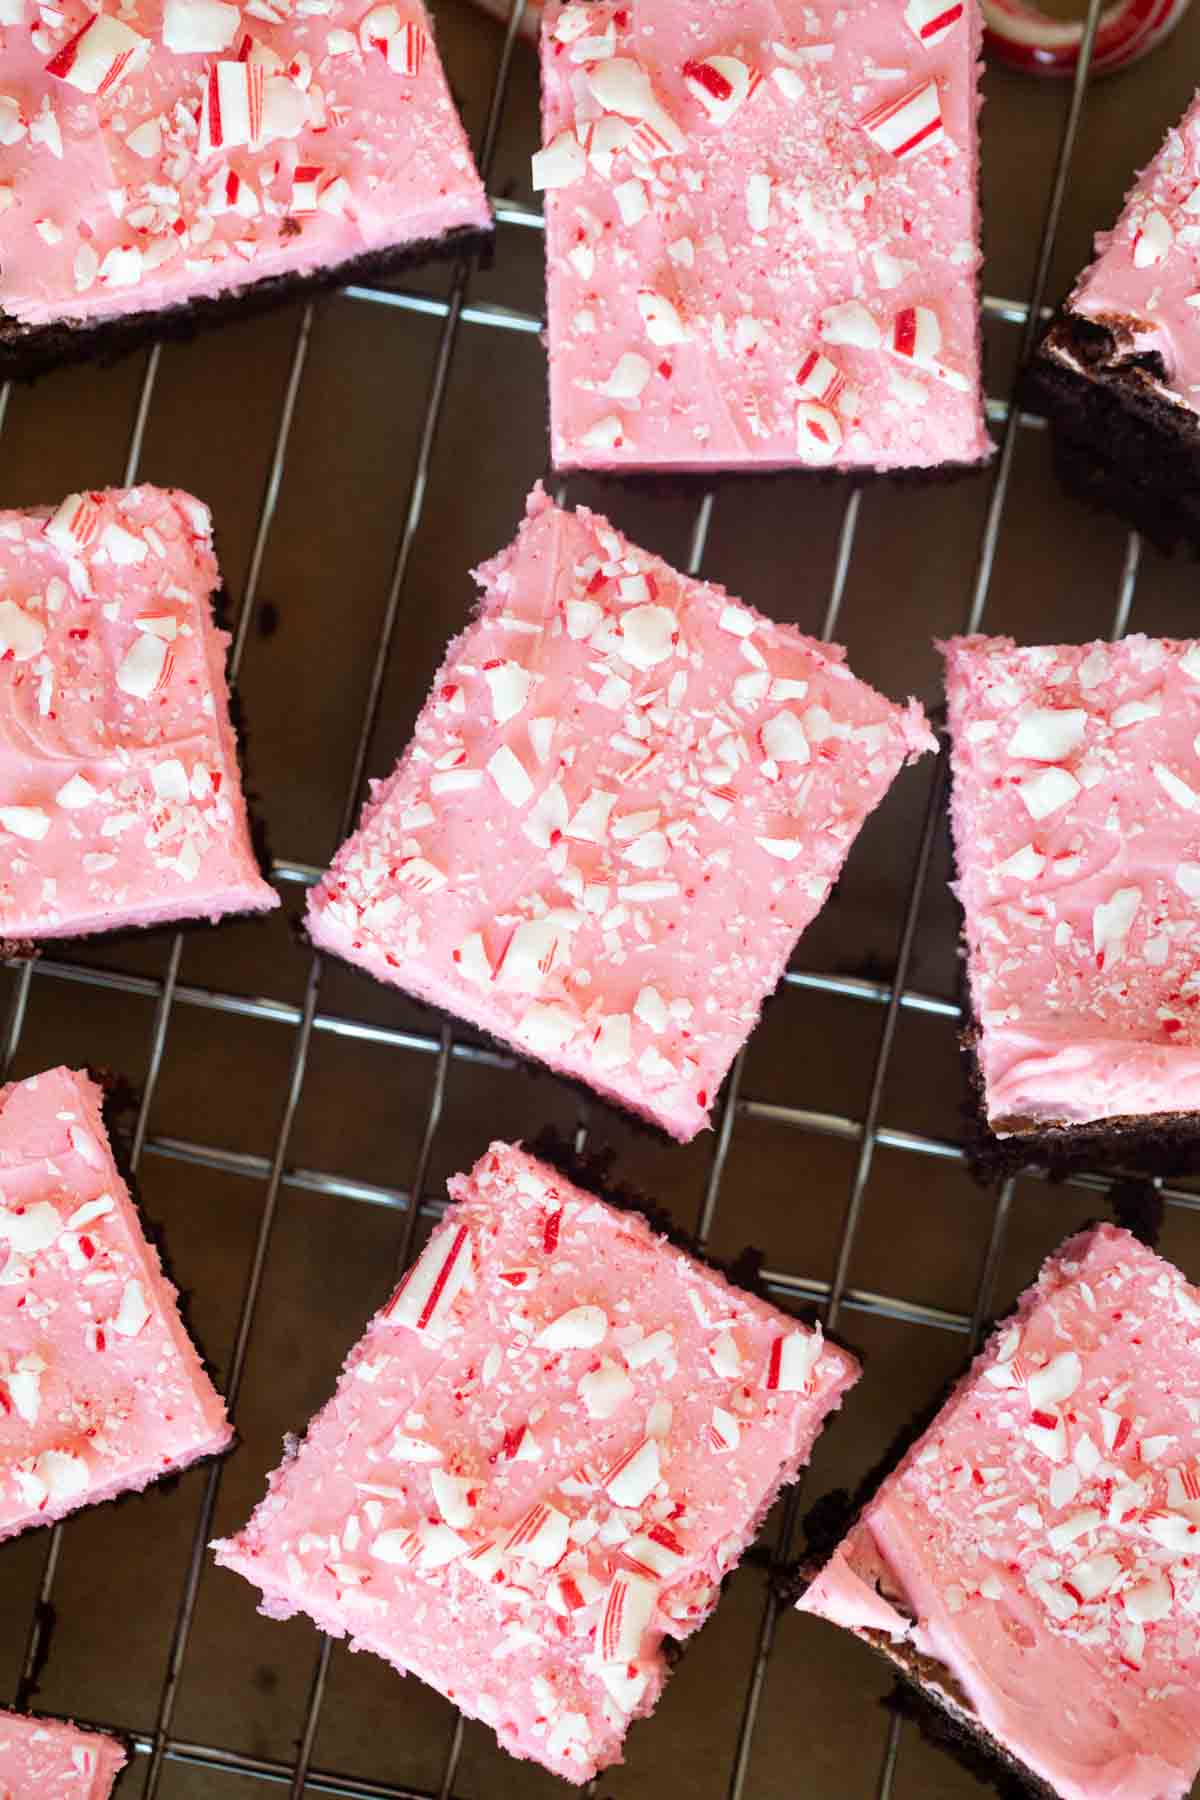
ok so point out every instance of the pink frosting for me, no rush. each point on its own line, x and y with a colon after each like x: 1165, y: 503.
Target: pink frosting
x: 626, y: 797
x: 120, y: 797
x: 1076, y: 813
x: 41, y: 1759
x: 1144, y: 274
x: 762, y: 233
x: 1042, y: 1539
x: 548, y: 1449
x: 123, y: 188
x: 100, y: 1388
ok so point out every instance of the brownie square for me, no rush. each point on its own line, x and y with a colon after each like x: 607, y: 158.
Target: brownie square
x: 1118, y: 374
x: 184, y: 159
x: 548, y: 1449
x: 101, y: 1390
x: 43, y: 1759
x: 120, y: 797
x: 1033, y: 1563
x: 625, y: 798
x: 762, y: 234
x: 1075, y: 802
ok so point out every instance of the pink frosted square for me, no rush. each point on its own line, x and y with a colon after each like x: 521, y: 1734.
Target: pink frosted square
x: 124, y: 189
x: 101, y: 1390
x: 120, y: 796
x: 1076, y: 791
x: 762, y: 234
x: 549, y: 1447
x: 1034, y: 1560
x: 625, y: 798
x: 41, y: 1759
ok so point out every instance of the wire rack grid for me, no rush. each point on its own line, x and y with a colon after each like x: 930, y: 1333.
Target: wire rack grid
x: 160, y: 1748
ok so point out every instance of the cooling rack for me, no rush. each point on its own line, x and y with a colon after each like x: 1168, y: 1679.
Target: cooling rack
x: 169, y: 1760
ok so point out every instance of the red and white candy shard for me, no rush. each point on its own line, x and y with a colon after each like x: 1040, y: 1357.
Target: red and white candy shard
x: 908, y: 125
x: 515, y: 1492
x: 721, y: 84
x: 1085, y: 1010
x: 120, y: 794
x: 1057, y: 1487
x: 932, y: 20
x: 100, y: 55
x: 598, y: 790
x: 100, y: 1390
x: 688, y: 175
x: 44, y: 1757
x: 352, y: 89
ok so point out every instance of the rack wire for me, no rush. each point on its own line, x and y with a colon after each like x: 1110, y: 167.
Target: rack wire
x: 307, y: 1021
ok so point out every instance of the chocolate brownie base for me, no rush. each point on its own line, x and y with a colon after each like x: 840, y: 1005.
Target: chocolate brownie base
x: 1119, y: 444
x: 926, y: 1691
x: 27, y: 351
x: 1157, y: 1146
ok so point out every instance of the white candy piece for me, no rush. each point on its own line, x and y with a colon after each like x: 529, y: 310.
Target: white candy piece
x: 559, y: 163
x: 510, y: 776
x: 720, y: 84
x: 819, y: 379
x: 1111, y: 921
x: 932, y: 20
x: 1048, y: 735
x: 34, y: 1229
x: 1152, y: 242
x: 604, y: 1391
x: 906, y: 126
x: 1025, y: 864
x: 850, y: 323
x: 818, y: 433
x: 451, y: 1494
x: 541, y: 1537
x: 791, y: 1361
x: 100, y: 55
x: 661, y: 319
x: 622, y: 86
x: 783, y: 739
x: 1174, y: 786
x: 142, y: 668
x: 628, y: 1610
x: 510, y: 683
x: 1047, y: 791
x: 581, y: 1328
x: 25, y: 821
x: 630, y: 374
x: 425, y: 1297
x: 633, y: 1479
x: 22, y: 635
x: 193, y: 26
x: 647, y: 635
x: 1057, y: 1381
x: 133, y: 1312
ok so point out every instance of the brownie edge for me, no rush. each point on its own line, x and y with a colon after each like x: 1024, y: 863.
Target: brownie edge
x: 27, y: 351
x: 1120, y: 445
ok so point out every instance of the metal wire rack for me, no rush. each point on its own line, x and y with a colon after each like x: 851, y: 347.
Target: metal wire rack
x: 164, y: 996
